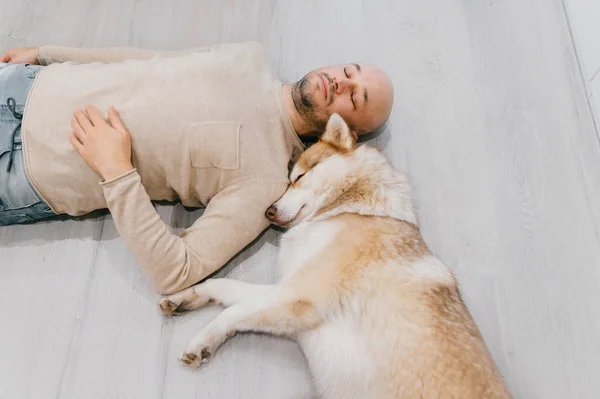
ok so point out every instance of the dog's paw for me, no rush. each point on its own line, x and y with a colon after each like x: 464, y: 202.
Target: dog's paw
x: 171, y: 308
x: 167, y: 307
x: 195, y: 358
x: 182, y: 302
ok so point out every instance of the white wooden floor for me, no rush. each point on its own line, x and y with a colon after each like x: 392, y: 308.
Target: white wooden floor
x: 491, y: 121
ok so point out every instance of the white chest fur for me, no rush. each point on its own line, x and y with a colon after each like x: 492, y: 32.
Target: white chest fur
x: 303, y: 242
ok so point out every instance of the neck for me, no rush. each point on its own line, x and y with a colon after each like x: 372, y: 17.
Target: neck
x: 300, y: 125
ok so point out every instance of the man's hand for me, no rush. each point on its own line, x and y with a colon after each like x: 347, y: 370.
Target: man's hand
x: 105, y: 148
x: 20, y: 55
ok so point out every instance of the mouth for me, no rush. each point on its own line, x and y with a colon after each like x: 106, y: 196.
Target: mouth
x: 289, y: 223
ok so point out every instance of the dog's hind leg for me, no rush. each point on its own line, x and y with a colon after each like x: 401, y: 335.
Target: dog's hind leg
x: 271, y: 313
x: 222, y: 291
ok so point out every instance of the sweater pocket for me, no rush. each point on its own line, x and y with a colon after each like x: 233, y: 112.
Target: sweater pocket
x: 215, y: 145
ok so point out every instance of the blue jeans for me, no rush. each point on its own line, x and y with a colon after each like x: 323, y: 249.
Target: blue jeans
x: 19, y: 202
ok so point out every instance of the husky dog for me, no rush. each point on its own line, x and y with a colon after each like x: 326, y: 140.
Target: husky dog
x: 376, y: 313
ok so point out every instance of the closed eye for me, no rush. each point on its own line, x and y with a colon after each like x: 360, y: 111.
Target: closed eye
x: 298, y: 178
x: 352, y: 93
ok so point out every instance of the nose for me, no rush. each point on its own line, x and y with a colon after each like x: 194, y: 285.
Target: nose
x: 342, y: 84
x: 271, y: 212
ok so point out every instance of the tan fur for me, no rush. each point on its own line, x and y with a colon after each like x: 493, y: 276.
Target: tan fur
x: 319, y: 151
x: 377, y: 315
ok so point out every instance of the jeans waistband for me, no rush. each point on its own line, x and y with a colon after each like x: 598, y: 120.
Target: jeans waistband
x: 15, y: 83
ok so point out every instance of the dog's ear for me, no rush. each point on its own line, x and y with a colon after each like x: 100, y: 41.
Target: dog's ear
x: 338, y: 134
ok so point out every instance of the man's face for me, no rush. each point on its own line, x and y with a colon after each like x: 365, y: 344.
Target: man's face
x: 360, y: 93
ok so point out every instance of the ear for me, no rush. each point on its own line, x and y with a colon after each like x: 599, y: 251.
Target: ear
x: 338, y: 133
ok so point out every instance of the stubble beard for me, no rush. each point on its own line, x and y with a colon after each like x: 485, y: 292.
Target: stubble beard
x: 303, y: 97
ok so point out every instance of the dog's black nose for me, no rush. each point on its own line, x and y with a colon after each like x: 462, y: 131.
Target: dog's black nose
x: 271, y: 212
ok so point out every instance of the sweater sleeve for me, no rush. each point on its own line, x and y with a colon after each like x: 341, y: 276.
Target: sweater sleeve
x: 48, y: 54
x: 231, y: 221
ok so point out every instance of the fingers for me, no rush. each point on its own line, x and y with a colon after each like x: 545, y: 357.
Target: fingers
x: 115, y: 120
x: 76, y: 143
x: 83, y: 120
x: 83, y: 123
x: 95, y: 115
x: 5, y: 57
x: 78, y: 131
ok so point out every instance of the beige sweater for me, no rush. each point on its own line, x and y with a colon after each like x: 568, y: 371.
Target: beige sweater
x: 208, y: 128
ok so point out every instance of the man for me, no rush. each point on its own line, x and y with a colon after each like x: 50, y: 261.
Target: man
x: 210, y: 127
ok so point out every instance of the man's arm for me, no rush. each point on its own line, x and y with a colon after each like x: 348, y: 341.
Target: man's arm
x: 48, y: 54
x: 231, y: 221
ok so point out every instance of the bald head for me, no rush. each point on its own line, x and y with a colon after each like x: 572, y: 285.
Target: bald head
x: 360, y: 93
x: 380, y: 92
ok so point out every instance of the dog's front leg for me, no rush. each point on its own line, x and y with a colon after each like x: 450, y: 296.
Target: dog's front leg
x: 272, y: 314
x: 223, y: 291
